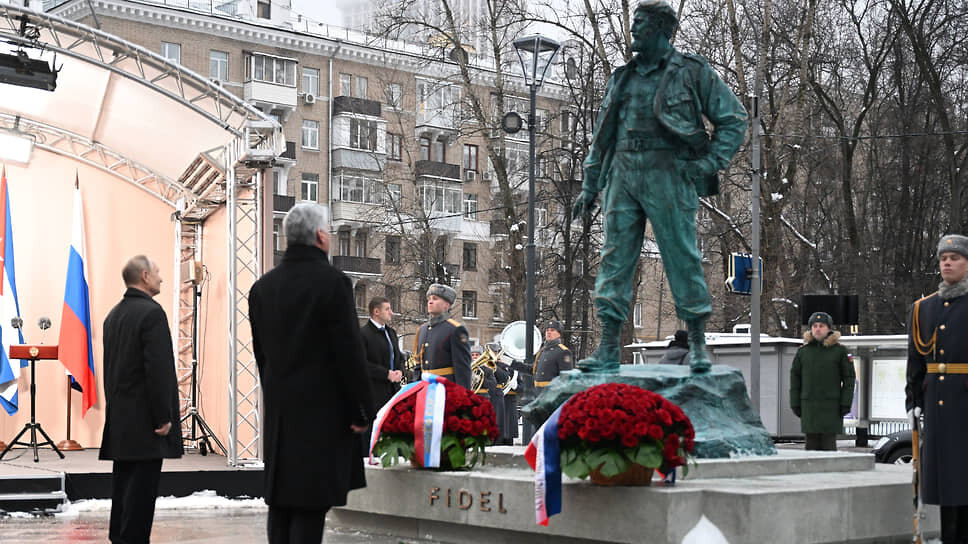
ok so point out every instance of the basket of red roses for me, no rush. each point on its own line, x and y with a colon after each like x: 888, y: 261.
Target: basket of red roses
x: 468, y: 425
x: 618, y: 434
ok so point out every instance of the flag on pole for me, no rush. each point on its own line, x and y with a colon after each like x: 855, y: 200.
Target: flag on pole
x: 9, y: 307
x: 75, y: 332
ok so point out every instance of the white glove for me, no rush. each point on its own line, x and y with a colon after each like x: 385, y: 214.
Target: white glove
x: 914, y: 415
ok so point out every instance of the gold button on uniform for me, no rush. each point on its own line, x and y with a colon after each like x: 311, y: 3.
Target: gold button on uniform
x: 946, y: 303
x: 942, y: 327
x: 940, y: 403
x: 941, y: 378
x: 941, y: 352
x: 942, y: 368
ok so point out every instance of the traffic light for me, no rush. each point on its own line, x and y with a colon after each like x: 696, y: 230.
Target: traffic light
x: 740, y: 273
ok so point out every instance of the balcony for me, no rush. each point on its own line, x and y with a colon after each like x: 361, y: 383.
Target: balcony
x: 360, y: 106
x: 441, y: 170
x: 357, y: 265
x: 282, y: 203
x: 499, y: 227
x: 270, y: 96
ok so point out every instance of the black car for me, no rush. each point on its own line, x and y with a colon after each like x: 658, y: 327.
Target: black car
x: 894, y: 448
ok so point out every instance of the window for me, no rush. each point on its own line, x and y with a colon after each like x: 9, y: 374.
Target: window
x: 359, y: 248
x: 171, y: 51
x: 359, y: 295
x: 345, y: 85
x: 269, y: 69
x: 440, y: 148
x: 360, y: 87
x: 425, y: 149
x: 470, y: 256
x: 394, y: 195
x: 468, y: 303
x: 310, y: 134
x: 392, y: 249
x: 394, y: 146
x: 363, y: 134
x: 263, y: 9
x: 637, y: 315
x: 470, y: 206
x: 393, y: 94
x: 437, y: 198
x: 218, y: 65
x: 310, y: 187
x: 354, y: 188
x: 393, y: 294
x: 276, y: 236
x: 310, y: 81
x: 470, y: 157
x: 278, y: 183
x: 343, y: 240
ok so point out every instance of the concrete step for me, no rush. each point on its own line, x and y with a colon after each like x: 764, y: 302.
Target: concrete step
x: 33, y: 492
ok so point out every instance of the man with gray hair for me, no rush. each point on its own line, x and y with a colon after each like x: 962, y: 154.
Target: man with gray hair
x: 937, y: 371
x: 442, y: 345
x: 317, y: 395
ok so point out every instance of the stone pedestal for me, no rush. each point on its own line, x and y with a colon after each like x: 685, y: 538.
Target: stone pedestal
x: 717, y: 403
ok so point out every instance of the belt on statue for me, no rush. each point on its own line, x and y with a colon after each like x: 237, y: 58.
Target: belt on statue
x: 447, y: 371
x: 647, y: 143
x: 542, y: 384
x: 947, y: 368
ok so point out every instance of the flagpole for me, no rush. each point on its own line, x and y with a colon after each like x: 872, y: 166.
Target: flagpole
x: 68, y: 444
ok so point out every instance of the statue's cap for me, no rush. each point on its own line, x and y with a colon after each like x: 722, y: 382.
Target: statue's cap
x: 658, y: 6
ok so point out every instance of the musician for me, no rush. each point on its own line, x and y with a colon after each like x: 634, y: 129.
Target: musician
x: 553, y: 358
x: 492, y: 388
x: 508, y: 423
x: 442, y: 344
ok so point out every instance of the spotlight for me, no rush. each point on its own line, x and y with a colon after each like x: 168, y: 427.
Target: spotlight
x: 23, y: 71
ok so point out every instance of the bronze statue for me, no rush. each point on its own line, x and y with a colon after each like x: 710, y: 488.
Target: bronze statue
x: 653, y: 157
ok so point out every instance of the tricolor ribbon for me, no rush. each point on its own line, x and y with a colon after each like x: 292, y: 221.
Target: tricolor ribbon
x: 544, y: 455
x: 428, y: 421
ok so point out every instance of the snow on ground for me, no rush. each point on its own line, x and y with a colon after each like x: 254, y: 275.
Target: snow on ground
x: 200, y: 500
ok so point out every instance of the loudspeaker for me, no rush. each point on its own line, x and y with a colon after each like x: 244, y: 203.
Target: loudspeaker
x: 844, y: 309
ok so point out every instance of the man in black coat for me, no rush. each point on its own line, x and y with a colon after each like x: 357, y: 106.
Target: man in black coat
x: 937, y: 373
x: 316, y: 394
x: 384, y: 360
x: 141, y: 423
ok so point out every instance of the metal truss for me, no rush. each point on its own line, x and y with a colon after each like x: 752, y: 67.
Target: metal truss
x: 190, y: 237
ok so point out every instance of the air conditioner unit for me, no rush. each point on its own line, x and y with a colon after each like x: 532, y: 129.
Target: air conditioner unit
x: 309, y: 98
x: 487, y: 175
x: 470, y: 175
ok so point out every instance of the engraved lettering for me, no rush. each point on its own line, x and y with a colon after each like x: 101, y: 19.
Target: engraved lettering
x: 485, y: 501
x: 433, y: 495
x: 448, y: 497
x: 500, y: 503
x: 464, y: 494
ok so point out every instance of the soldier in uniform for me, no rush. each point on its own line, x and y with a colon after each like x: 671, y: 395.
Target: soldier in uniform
x: 509, y: 422
x: 553, y: 358
x: 651, y: 158
x: 937, y: 371
x: 442, y: 344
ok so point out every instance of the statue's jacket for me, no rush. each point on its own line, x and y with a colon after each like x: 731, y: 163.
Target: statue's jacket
x: 689, y: 90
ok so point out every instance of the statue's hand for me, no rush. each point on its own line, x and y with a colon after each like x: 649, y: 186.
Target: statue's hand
x: 699, y: 169
x: 585, y: 204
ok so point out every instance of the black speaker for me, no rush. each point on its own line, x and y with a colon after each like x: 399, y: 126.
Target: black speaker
x: 844, y: 309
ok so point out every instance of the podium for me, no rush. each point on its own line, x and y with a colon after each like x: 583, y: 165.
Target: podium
x: 34, y: 354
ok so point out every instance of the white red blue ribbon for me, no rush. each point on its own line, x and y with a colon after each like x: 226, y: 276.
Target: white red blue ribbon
x: 544, y: 455
x: 428, y: 417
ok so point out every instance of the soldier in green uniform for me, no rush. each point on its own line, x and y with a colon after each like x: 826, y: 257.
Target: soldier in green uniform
x: 442, y: 346
x: 553, y: 358
x: 652, y: 156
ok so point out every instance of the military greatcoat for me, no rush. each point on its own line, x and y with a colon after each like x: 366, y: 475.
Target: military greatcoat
x: 443, y: 349
x: 938, y: 334
x: 821, y: 382
x: 551, y: 360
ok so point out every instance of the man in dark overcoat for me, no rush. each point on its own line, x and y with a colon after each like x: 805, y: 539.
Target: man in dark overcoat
x: 553, y: 358
x: 141, y: 423
x: 937, y: 374
x: 384, y: 360
x: 317, y: 397
x: 442, y: 345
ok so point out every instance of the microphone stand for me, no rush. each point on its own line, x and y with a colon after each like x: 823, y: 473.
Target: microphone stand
x: 197, y: 422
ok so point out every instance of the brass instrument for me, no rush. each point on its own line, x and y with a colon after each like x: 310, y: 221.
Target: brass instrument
x: 487, y: 359
x: 512, y: 342
x: 411, y: 370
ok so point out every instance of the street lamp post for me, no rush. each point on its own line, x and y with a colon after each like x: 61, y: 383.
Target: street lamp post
x: 536, y: 54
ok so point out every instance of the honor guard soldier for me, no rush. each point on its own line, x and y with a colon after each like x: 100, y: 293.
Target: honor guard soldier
x: 442, y: 345
x: 553, y: 358
x: 937, y: 371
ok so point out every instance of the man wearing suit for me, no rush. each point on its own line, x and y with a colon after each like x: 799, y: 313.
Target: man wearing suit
x: 383, y: 357
x: 317, y: 398
x: 442, y: 345
x: 141, y: 424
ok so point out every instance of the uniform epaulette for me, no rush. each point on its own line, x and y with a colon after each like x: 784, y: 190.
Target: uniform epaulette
x: 562, y: 346
x: 454, y: 322
x: 934, y: 294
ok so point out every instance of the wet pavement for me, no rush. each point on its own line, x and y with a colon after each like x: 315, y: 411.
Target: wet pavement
x: 185, y: 527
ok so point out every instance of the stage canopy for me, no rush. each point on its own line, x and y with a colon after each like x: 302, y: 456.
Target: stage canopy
x: 123, y: 113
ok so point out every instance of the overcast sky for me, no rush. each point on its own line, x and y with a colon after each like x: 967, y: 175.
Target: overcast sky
x: 324, y: 11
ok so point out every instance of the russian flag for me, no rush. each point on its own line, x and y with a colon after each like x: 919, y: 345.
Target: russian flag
x: 75, y: 332
x: 544, y: 455
x: 9, y: 307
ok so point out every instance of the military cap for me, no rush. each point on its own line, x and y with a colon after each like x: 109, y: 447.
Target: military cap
x: 658, y: 6
x: 554, y: 324
x: 955, y: 243
x: 821, y: 317
x: 445, y: 292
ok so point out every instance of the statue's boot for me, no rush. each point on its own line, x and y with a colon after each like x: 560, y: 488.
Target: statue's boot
x: 606, y: 358
x: 698, y: 357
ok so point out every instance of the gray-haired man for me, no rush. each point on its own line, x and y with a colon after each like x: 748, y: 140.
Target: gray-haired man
x: 442, y: 346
